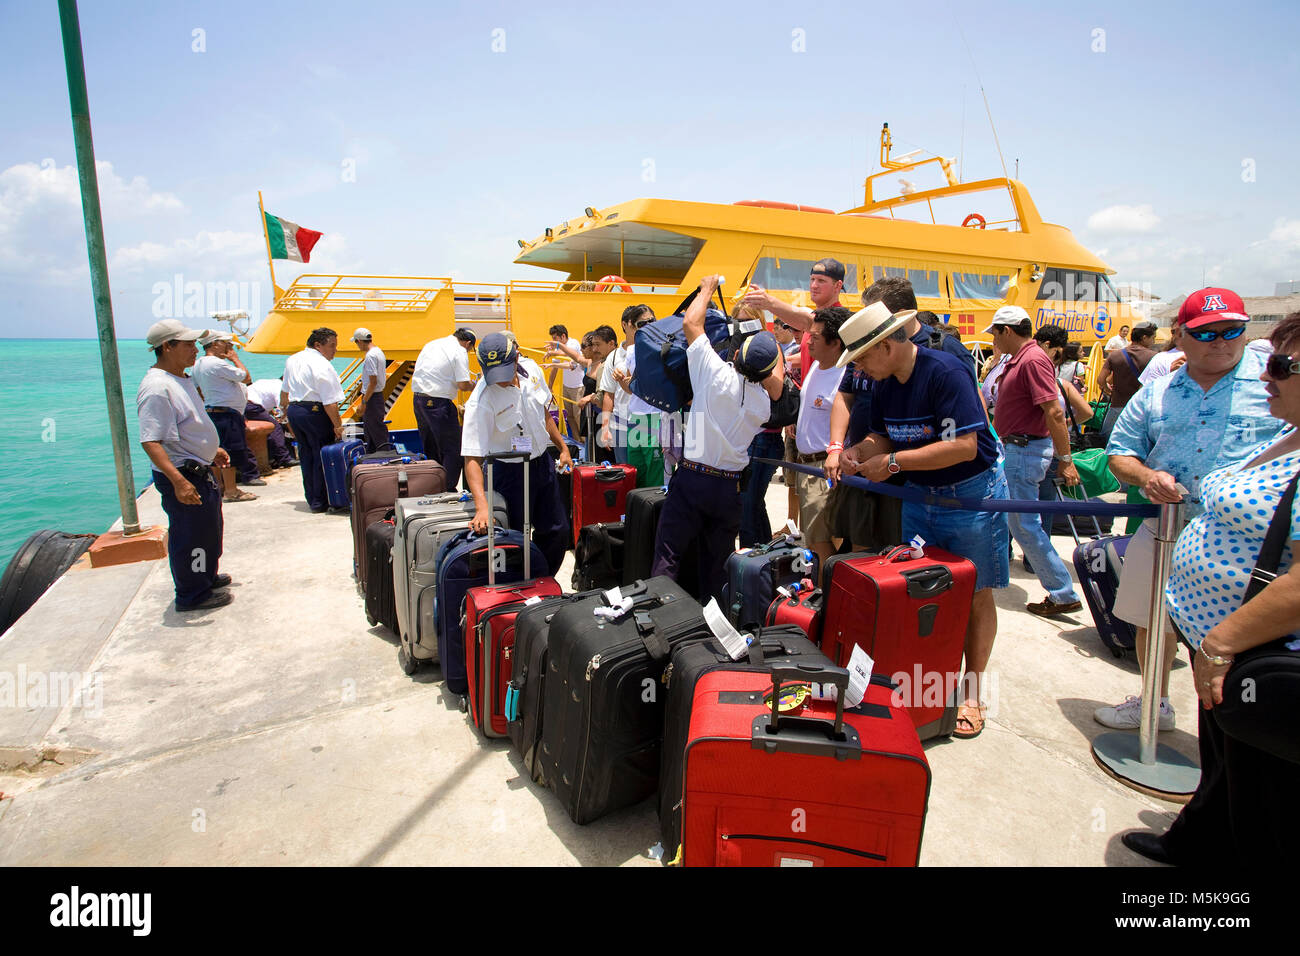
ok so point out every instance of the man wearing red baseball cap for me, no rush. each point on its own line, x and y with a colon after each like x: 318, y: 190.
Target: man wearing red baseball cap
x: 1211, y: 412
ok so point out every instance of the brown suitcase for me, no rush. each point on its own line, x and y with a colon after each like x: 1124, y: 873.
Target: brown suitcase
x: 376, y: 486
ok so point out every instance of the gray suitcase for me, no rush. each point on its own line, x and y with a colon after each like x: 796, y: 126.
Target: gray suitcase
x: 421, y: 527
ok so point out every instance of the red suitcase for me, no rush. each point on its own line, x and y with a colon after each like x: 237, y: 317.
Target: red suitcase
x: 600, y: 494
x: 909, y: 614
x: 487, y: 624
x: 801, y: 607
x: 815, y: 786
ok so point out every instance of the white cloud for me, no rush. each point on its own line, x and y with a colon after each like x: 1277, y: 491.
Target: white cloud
x: 41, y: 227
x: 1124, y: 219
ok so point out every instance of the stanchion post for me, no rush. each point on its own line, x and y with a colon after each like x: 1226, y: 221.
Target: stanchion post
x: 1168, y: 525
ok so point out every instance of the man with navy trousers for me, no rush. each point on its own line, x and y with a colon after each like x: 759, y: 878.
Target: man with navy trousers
x: 182, y: 443
x: 222, y: 380
x: 502, y: 417
x: 731, y: 404
x: 311, y: 393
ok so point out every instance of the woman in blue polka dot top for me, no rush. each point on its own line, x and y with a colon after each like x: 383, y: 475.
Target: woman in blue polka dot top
x: 1244, y: 808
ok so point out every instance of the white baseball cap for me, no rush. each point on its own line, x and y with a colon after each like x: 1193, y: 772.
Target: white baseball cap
x: 362, y: 335
x: 213, y: 335
x: 170, y: 330
x: 1008, y: 315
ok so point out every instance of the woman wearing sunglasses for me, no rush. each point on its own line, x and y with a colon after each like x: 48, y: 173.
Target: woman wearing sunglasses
x: 1243, y: 809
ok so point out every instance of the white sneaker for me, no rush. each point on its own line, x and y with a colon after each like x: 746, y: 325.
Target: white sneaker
x: 1128, y: 715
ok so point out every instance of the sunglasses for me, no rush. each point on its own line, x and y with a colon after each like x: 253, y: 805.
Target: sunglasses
x: 1281, y: 366
x: 1205, y: 335
x: 641, y: 324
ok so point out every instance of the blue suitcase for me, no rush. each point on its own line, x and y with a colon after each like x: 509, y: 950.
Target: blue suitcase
x: 337, y: 461
x: 754, y: 574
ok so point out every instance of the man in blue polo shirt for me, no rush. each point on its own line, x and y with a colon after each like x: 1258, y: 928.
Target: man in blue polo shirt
x: 927, y: 424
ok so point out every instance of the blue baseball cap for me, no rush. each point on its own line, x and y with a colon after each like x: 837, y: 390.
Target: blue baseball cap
x: 758, y: 354
x: 497, y: 355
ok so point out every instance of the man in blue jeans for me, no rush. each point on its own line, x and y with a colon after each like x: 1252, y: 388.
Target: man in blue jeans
x: 927, y: 424
x: 1029, y: 417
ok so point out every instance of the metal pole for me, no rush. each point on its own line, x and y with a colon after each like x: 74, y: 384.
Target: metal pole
x: 1139, y: 761
x: 80, y: 103
x: 1170, y: 522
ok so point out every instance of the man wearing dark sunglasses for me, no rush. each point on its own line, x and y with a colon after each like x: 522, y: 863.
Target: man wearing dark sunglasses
x: 1208, y: 414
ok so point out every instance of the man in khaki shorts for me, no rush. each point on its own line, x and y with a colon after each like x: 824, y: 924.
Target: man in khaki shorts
x: 821, y: 383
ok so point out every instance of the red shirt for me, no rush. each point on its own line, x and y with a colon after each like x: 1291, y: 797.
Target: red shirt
x: 1028, y: 380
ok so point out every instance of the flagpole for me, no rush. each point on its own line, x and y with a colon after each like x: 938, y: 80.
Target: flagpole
x: 275, y: 289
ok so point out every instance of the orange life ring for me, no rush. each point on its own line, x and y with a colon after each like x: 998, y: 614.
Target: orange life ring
x: 974, y: 220
x: 607, y: 282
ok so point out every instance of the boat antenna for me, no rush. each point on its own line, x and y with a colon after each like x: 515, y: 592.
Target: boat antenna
x: 961, y: 155
x: 987, y: 108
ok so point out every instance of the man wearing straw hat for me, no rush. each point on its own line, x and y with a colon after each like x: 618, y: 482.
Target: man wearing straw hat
x: 927, y: 424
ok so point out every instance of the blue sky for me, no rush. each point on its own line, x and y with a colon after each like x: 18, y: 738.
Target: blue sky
x: 459, y: 149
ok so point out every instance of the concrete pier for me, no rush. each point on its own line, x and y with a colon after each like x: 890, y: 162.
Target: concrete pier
x: 279, y: 730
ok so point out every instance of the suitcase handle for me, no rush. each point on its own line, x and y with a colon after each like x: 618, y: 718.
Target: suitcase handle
x: 899, y: 552
x: 927, y: 582
x: 609, y: 474
x: 771, y: 733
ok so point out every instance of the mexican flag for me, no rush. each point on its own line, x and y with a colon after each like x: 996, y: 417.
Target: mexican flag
x: 289, y: 240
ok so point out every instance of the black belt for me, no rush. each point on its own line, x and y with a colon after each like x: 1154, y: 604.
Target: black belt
x: 224, y: 408
x: 314, y: 406
x: 709, y: 470
x: 803, y: 459
x: 1020, y: 441
x: 195, y: 472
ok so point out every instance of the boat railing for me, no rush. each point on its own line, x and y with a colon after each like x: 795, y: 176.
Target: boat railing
x: 361, y: 293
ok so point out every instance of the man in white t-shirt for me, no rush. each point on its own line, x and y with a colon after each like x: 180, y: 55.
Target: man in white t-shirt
x: 1119, y: 340
x: 1164, y: 363
x: 730, y: 406
x: 442, y: 370
x: 182, y: 443
x: 813, y: 429
x: 263, y: 405
x: 503, y: 417
x: 374, y: 373
x: 571, y: 385
x: 310, y: 392
x: 222, y: 380
x: 637, y: 421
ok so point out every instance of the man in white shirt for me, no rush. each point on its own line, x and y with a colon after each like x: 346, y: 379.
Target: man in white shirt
x: 637, y: 421
x: 1119, y: 340
x: 442, y: 370
x: 503, y: 417
x: 182, y: 443
x: 221, y: 379
x: 1164, y: 363
x: 813, y: 429
x: 264, y: 406
x: 310, y: 391
x: 615, y: 398
x: 572, y: 384
x: 730, y: 406
x: 374, y: 373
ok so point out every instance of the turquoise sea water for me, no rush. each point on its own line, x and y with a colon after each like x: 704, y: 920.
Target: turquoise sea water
x: 56, y: 458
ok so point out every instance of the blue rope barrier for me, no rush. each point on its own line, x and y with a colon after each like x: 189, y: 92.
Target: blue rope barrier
x: 1099, y: 509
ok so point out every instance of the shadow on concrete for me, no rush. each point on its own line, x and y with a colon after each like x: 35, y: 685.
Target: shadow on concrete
x: 300, y: 506
x: 1079, y: 712
x: 188, y: 619
x: 384, y: 634
x: 1117, y: 854
x: 613, y: 839
x: 1088, y: 644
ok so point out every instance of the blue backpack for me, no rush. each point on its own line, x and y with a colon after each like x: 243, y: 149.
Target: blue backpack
x: 662, y: 378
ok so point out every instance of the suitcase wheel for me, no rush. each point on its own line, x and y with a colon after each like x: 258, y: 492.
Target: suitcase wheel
x: 464, y: 704
x: 406, y: 662
x: 1119, y: 652
x: 371, y: 621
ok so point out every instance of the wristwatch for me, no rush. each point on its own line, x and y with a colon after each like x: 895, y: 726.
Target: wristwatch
x: 1066, y: 459
x: 893, y: 467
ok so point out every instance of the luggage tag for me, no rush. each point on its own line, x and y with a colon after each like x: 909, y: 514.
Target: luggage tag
x: 860, y: 666
x: 732, y: 640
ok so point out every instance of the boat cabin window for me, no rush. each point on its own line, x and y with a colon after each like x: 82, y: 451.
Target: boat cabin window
x: 979, y: 285
x: 774, y: 272
x: 924, y: 283
x: 1069, y: 285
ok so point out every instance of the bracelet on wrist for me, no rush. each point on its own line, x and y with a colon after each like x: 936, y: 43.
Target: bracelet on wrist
x: 1216, y: 660
x: 834, y: 447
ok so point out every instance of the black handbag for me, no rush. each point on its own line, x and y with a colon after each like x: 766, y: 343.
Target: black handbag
x: 1262, y: 687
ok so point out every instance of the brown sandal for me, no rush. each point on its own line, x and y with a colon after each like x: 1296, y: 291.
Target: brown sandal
x: 973, y: 718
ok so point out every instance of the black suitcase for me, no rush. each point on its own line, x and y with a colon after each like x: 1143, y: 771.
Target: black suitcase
x: 381, y: 605
x: 529, y: 659
x: 598, y: 558
x: 602, y: 721
x: 775, y: 644
x: 640, y: 526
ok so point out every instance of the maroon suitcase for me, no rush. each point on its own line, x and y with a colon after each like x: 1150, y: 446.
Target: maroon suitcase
x: 801, y: 607
x: 376, y: 486
x: 809, y: 786
x: 600, y: 494
x: 909, y: 614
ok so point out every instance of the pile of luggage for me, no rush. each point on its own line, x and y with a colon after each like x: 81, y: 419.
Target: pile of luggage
x: 748, y: 731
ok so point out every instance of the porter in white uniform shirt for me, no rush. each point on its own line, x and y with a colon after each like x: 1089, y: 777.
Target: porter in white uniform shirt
x: 309, y: 377
x: 727, y: 411
x: 441, y: 364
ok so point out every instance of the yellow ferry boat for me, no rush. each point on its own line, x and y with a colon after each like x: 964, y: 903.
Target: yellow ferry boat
x: 968, y: 248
